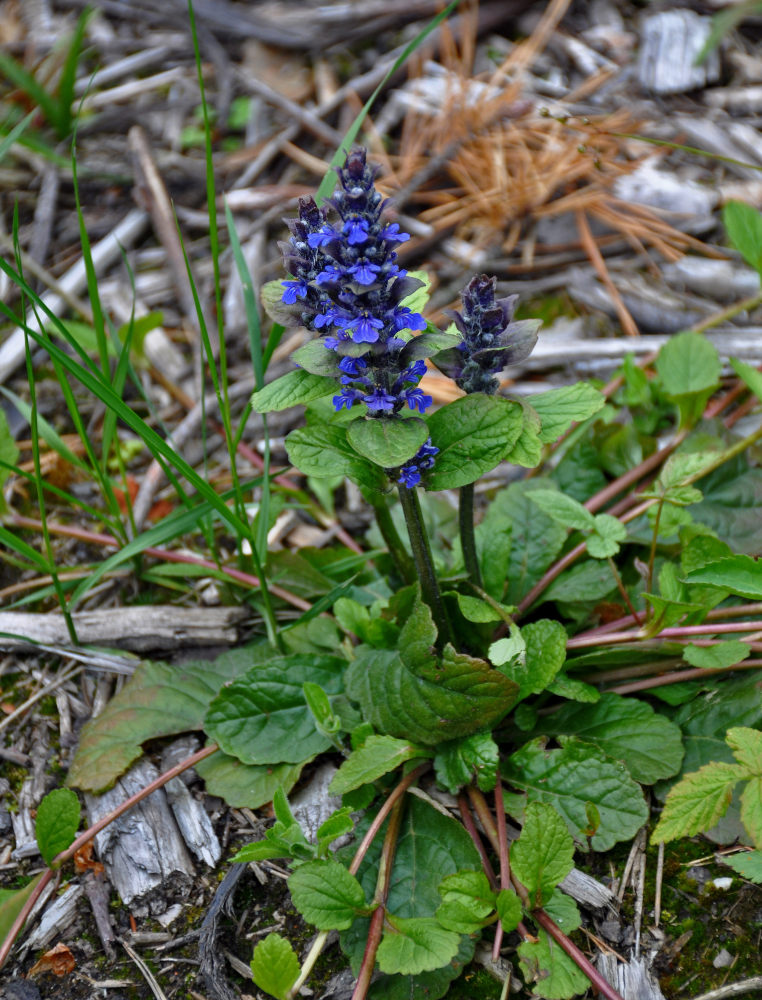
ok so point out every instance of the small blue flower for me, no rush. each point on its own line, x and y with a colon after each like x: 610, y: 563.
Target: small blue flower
x: 325, y: 235
x: 353, y: 366
x: 363, y: 272
x: 364, y: 329
x: 416, y: 399
x: 404, y: 319
x: 379, y: 401
x: 294, y: 290
x: 356, y: 231
x: 393, y: 234
x: 410, y: 474
x: 347, y: 397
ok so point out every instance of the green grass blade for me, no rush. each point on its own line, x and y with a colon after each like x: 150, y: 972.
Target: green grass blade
x: 24, y: 80
x: 69, y: 72
x: 22, y: 548
x: 14, y: 135
x: 329, y: 181
x: 49, y: 434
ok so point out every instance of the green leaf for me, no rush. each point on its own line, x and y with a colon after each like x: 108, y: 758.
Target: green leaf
x: 314, y: 357
x: 474, y: 609
x: 751, y: 376
x: 573, y: 689
x: 560, y: 408
x: 527, y: 451
x: 746, y: 745
x: 12, y: 903
x: 474, y: 434
x: 720, y: 655
x: 415, y: 944
x: 468, y: 901
x: 9, y: 453
x: 543, y: 855
x: 744, y: 227
x: 571, y: 777
x: 460, y: 762
x: 247, y: 786
x: 509, y: 909
x: 275, y: 966
x: 748, y: 864
x: 689, y: 369
x: 564, y: 911
x: 326, y: 894
x: 546, y: 964
x: 388, y: 442
x: 57, y: 821
x: 376, y: 757
x: 292, y: 389
x: 626, y: 729
x: 430, y: 847
x: 739, y: 574
x: 751, y: 809
x: 323, y: 450
x: 545, y: 654
x: 262, y: 718
x: 570, y: 513
x: 158, y: 700
x: 591, y: 580
x: 427, y: 344
x: 535, y: 538
x: 697, y: 801
x: 608, y: 533
x: 416, y: 301
x: 271, y: 297
x: 431, y: 702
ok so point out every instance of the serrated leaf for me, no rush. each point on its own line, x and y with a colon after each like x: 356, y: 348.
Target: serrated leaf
x: 545, y: 964
x: 292, y: 389
x: 326, y: 894
x: 751, y: 809
x: 262, y: 718
x: 558, y: 409
x: 473, y: 434
x: 158, y: 700
x: 509, y: 909
x: 527, y: 450
x: 607, y: 534
x: 430, y: 703
x: 748, y: 865
x: 474, y: 609
x: 418, y: 635
x: 720, y: 655
x: 545, y: 654
x: 564, y: 510
x: 739, y: 574
x: 746, y: 745
x: 415, y: 944
x: 57, y: 822
x: 247, y: 786
x: 626, y: 729
x: 687, y: 364
x: 376, y: 757
x: 468, y: 902
x: 543, y: 855
x: 697, y: 801
x: 274, y: 966
x: 574, y: 689
x: 323, y: 450
x: 387, y: 442
x: 743, y: 224
x: 571, y: 777
x: 339, y: 824
x: 460, y: 762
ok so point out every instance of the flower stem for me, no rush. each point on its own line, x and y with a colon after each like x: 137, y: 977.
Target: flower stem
x: 389, y: 533
x: 467, y: 536
x: 424, y: 563
x: 383, y: 881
